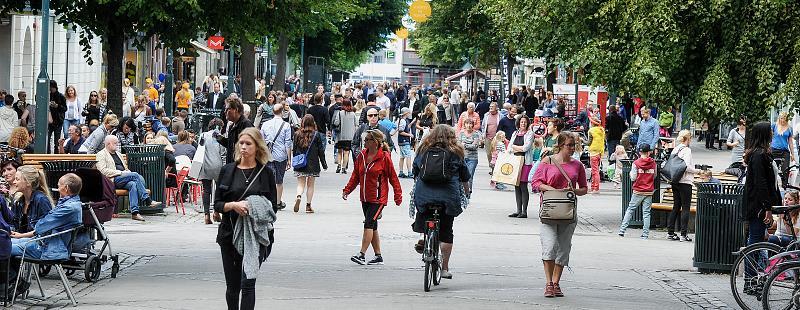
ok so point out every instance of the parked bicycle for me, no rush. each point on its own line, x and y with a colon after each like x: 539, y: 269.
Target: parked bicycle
x: 430, y: 253
x: 751, y: 269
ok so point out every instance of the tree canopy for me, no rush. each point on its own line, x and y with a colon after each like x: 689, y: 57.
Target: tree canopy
x: 456, y: 32
x: 724, y: 58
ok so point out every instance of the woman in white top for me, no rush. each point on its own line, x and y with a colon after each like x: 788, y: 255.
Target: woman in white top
x: 74, y: 108
x: 783, y: 229
x: 127, y: 98
x: 682, y: 191
x: 141, y: 110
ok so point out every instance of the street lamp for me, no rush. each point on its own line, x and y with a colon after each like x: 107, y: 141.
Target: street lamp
x: 43, y: 86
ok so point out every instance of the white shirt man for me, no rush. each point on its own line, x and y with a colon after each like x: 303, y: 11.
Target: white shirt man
x: 381, y: 100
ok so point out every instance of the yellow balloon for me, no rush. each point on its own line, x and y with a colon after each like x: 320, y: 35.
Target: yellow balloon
x: 401, y: 33
x: 419, y: 11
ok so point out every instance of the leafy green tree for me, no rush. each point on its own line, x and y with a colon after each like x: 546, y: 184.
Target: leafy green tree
x: 456, y: 32
x: 722, y: 58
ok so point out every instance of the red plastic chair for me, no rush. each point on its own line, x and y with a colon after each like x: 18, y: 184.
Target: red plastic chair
x: 174, y: 194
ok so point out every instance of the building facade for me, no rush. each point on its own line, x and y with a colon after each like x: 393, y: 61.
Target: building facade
x: 20, y: 54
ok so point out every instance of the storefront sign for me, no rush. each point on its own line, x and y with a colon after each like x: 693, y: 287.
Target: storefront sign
x: 215, y: 42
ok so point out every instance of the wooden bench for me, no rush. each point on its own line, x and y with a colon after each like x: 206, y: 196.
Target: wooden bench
x: 668, y: 199
x: 36, y: 160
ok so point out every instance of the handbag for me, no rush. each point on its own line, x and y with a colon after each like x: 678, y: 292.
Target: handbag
x: 559, y: 204
x: 197, y: 161
x: 507, y: 168
x: 300, y: 161
x: 674, y: 168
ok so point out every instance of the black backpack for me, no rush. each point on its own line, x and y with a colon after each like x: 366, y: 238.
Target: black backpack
x: 435, y: 166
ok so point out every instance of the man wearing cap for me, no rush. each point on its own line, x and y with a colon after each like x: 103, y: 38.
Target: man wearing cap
x: 404, y: 137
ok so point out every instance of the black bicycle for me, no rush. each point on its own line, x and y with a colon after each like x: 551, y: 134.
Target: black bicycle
x: 430, y: 253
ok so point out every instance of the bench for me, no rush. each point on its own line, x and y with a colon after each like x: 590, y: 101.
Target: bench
x: 668, y: 199
x: 36, y: 160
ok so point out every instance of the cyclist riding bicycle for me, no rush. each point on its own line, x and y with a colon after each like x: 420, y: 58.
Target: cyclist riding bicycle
x: 446, y: 186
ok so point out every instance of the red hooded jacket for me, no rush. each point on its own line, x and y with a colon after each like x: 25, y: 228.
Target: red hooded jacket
x: 374, y: 178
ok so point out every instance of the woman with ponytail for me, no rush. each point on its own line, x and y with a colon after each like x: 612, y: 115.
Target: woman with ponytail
x: 32, y: 200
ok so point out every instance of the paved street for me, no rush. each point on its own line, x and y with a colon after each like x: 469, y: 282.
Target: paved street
x: 172, y: 262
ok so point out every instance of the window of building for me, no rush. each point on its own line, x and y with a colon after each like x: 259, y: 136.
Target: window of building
x: 378, y: 59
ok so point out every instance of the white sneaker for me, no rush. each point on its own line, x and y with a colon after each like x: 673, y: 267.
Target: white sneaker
x: 446, y: 274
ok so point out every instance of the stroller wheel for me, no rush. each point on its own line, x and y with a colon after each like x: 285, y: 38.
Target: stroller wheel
x: 92, y: 269
x: 44, y: 270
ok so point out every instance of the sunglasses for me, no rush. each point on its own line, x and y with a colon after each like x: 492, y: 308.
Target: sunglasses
x: 93, y: 95
x: 372, y: 115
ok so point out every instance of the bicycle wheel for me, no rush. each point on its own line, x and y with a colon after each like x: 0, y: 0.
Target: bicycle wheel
x: 749, y: 273
x: 782, y: 288
x: 427, y: 256
x: 437, y: 260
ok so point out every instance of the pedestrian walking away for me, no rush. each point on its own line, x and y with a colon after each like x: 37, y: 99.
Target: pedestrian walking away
x: 556, y: 235
x: 682, y: 190
x: 373, y: 172
x: 309, y: 150
x: 447, y: 193
x: 278, y: 135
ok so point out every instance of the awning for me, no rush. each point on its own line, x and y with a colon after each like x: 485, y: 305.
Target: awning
x: 201, y: 47
x: 463, y: 73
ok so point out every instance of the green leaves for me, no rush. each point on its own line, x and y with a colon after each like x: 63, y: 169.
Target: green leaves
x: 722, y: 57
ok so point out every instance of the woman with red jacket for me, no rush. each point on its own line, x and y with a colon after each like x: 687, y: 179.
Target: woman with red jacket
x: 373, y: 171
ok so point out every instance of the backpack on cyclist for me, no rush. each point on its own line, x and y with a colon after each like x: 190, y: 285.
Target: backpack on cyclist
x: 435, y: 166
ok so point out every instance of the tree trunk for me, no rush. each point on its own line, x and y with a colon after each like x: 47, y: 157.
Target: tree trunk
x: 115, y: 51
x: 247, y: 69
x: 512, y: 61
x: 280, y: 71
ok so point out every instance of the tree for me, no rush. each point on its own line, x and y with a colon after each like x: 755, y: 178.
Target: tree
x: 699, y: 53
x: 456, y: 32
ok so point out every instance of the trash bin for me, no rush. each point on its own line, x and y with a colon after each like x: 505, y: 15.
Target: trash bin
x: 148, y: 160
x: 627, y: 192
x: 718, y: 231
x: 54, y: 170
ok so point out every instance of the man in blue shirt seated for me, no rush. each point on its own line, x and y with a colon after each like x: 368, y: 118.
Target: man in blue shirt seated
x: 67, y: 214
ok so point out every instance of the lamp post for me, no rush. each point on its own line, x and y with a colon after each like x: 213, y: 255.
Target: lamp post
x: 169, y: 90
x: 302, y: 63
x: 43, y: 86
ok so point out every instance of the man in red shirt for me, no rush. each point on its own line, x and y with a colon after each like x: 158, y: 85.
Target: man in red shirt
x: 643, y: 173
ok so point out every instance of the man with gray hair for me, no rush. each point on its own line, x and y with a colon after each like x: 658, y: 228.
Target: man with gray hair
x: 471, y: 114
x: 94, y: 143
x: 278, y: 135
x: 111, y: 165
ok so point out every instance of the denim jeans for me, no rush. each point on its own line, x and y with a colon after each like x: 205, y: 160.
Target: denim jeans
x: 33, y: 250
x: 134, y: 183
x: 755, y: 235
x: 471, y: 165
x: 638, y: 200
x: 67, y: 123
x: 780, y: 240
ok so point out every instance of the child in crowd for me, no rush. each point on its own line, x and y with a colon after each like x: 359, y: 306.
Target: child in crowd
x: 616, y: 159
x: 643, y: 175
x: 706, y: 176
x: 783, y: 229
x: 500, y: 144
x: 536, y: 154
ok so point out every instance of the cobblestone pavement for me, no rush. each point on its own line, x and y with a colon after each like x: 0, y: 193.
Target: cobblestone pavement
x: 172, y: 262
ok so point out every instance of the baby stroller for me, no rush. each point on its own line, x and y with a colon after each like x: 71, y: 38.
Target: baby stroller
x: 98, y: 208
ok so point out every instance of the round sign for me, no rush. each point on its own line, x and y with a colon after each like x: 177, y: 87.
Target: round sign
x: 401, y: 33
x: 506, y: 169
x: 419, y: 11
